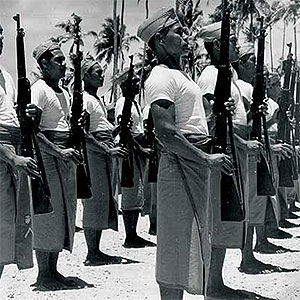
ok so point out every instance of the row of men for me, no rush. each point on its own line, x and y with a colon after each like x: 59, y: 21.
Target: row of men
x: 51, y: 109
x: 190, y: 247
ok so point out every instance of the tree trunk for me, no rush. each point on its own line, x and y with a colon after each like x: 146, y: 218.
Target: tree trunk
x: 295, y: 39
x: 121, y: 27
x: 116, y: 50
x: 283, y: 43
x: 143, y: 60
x: 271, y: 50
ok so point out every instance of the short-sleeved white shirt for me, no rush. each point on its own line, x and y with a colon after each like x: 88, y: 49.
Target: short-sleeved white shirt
x: 173, y: 85
x: 98, y: 113
x: 56, y: 107
x: 207, y: 83
x: 136, y: 114
x: 273, y: 107
x: 246, y: 89
x: 8, y: 116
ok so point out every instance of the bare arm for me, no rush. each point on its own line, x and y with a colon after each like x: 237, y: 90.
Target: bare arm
x: 21, y: 163
x: 163, y: 112
x: 95, y: 145
x: 52, y: 149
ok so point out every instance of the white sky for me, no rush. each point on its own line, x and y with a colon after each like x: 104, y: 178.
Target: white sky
x: 38, y: 17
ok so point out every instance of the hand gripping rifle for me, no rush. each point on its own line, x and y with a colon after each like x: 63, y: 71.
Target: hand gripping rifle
x: 265, y: 176
x: 77, y: 134
x: 125, y: 133
x: 232, y: 202
x: 284, y: 130
x: 29, y: 146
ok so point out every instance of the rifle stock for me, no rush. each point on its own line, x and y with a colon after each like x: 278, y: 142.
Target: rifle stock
x: 232, y: 204
x: 41, y: 196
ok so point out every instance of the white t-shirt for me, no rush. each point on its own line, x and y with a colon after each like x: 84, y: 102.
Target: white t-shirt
x: 98, y: 113
x: 173, y: 85
x: 8, y: 115
x: 56, y: 107
x: 273, y: 107
x: 207, y: 83
x: 136, y: 114
x: 246, y: 89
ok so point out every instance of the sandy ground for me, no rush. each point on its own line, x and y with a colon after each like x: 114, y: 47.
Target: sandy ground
x: 136, y: 278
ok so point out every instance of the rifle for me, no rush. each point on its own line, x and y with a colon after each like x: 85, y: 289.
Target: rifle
x: 77, y: 134
x: 283, y: 135
x: 232, y: 202
x: 41, y: 196
x: 265, y: 175
x: 151, y: 139
x: 294, y: 159
x: 297, y: 116
x: 125, y: 134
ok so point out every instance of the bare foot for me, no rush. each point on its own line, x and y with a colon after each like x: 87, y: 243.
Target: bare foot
x: 101, y: 259
x: 257, y: 267
x: 62, y: 279
x: 137, y: 242
x: 276, y: 233
x: 48, y: 283
x: 269, y: 248
x: 224, y: 292
x: 286, y: 224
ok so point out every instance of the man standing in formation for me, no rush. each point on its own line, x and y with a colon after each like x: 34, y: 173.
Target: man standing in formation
x: 183, y: 235
x: 55, y: 231
x: 100, y: 212
x: 192, y: 238
x: 15, y: 206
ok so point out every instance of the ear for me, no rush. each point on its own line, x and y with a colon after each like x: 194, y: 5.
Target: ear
x: 44, y: 64
x: 159, y: 38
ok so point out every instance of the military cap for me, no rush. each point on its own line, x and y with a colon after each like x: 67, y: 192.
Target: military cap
x: 48, y: 45
x: 87, y: 62
x: 246, y: 48
x: 164, y: 17
x: 273, y: 78
x: 212, y: 32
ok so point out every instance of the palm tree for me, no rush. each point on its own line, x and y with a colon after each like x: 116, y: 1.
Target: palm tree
x: 143, y: 58
x: 288, y: 11
x: 243, y: 12
x: 104, y: 44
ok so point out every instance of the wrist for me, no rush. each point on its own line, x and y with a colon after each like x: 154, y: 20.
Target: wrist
x: 13, y: 160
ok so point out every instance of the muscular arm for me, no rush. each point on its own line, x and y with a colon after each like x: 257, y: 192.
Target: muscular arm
x: 163, y: 112
x: 95, y: 145
x: 48, y: 146
x: 7, y: 155
x: 20, y: 163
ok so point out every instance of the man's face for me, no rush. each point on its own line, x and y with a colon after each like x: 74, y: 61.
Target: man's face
x: 1, y: 39
x: 96, y: 75
x: 247, y: 67
x: 174, y: 41
x: 56, y: 66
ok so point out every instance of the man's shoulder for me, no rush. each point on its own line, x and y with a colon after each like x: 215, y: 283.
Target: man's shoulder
x: 39, y: 84
x: 5, y: 72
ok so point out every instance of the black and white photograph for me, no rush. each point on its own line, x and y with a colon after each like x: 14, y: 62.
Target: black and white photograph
x: 149, y: 150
